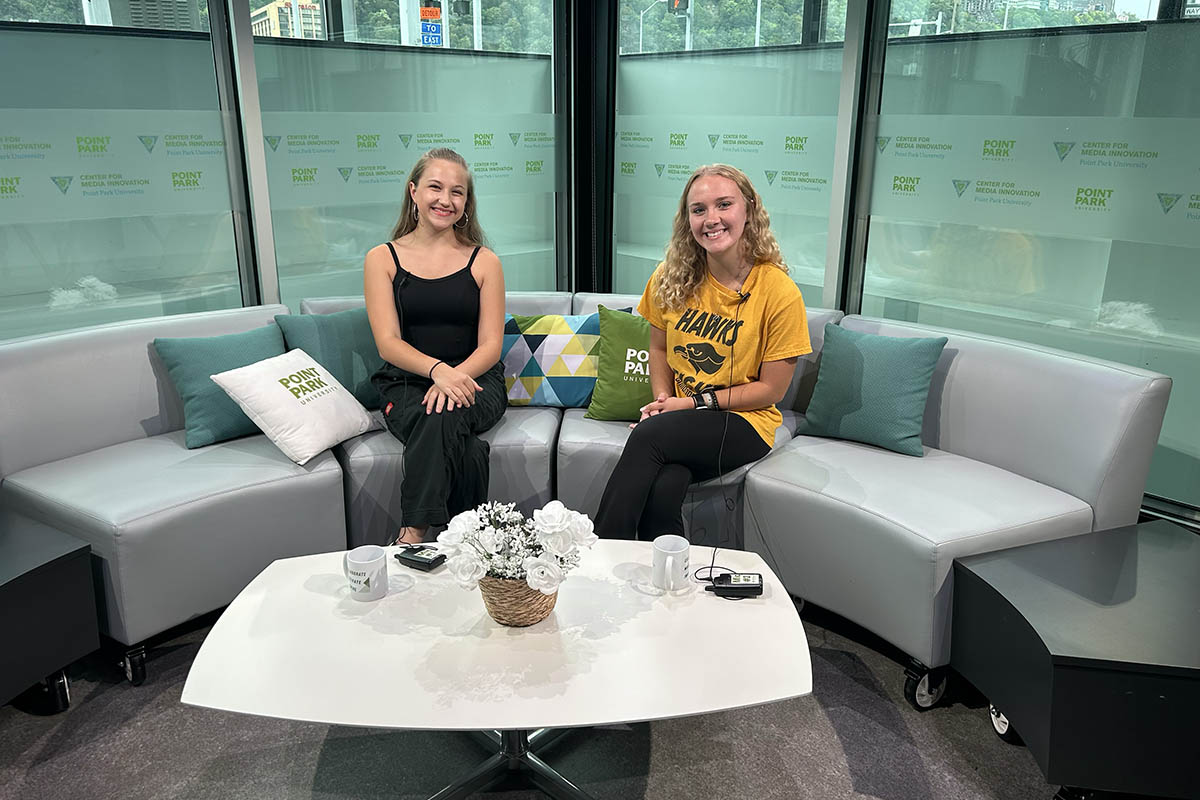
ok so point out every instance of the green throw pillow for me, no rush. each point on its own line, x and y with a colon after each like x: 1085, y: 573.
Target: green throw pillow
x: 209, y: 415
x: 623, y: 376
x: 342, y: 343
x: 872, y: 389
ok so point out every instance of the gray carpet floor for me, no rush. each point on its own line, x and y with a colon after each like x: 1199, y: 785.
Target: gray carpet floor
x: 854, y: 737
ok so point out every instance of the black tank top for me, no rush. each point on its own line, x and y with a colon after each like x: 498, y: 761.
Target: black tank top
x: 438, y: 316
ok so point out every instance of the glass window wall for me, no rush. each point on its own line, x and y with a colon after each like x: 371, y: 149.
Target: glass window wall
x: 114, y: 190
x: 771, y: 111
x: 1045, y: 186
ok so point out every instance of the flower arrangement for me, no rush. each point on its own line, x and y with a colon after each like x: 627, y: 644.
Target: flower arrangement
x: 497, y: 541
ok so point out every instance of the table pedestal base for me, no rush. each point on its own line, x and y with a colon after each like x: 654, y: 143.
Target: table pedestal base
x: 515, y: 755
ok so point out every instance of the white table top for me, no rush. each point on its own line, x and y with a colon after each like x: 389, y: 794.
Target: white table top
x: 294, y: 645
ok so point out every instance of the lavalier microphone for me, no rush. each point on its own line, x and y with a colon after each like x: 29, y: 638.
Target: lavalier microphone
x: 743, y: 297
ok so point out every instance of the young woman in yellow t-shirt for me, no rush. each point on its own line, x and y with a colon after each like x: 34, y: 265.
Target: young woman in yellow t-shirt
x: 727, y: 324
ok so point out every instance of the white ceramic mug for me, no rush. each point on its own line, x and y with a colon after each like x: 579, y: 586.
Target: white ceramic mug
x: 669, y: 567
x: 366, y: 571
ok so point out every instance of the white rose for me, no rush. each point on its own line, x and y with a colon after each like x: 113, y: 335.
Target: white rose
x: 582, y: 530
x: 466, y: 569
x: 543, y: 574
x: 559, y: 543
x: 450, y: 539
x: 491, y: 540
x: 554, y: 518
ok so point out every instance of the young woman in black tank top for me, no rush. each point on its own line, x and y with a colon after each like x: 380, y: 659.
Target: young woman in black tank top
x: 435, y: 299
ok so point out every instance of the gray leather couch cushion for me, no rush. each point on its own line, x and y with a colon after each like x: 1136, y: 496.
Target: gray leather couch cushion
x: 74, y: 392
x: 522, y: 452
x: 181, y: 531
x: 872, y: 534
x: 588, y: 302
x: 514, y: 303
x: 1085, y: 426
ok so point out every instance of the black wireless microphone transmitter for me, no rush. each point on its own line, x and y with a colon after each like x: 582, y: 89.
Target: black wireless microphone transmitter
x: 420, y: 556
x: 736, y: 584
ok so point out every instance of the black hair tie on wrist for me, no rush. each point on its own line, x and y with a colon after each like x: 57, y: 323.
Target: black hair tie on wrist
x: 431, y: 369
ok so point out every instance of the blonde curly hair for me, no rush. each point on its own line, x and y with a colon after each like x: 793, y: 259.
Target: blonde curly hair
x: 683, y: 270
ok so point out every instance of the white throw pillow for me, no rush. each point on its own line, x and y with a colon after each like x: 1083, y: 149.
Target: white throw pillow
x: 297, y: 403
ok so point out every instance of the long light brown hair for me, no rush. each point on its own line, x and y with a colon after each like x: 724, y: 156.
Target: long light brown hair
x: 686, y: 263
x: 470, y: 233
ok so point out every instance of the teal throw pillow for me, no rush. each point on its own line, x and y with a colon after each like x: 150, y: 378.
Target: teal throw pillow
x: 550, y: 359
x: 623, y: 379
x: 209, y: 415
x: 872, y: 389
x: 342, y: 343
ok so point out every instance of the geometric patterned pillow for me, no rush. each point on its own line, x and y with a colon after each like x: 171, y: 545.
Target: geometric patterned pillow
x: 550, y: 359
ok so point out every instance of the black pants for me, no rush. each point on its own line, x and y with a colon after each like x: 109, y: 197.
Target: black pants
x: 445, y: 463
x: 664, y: 455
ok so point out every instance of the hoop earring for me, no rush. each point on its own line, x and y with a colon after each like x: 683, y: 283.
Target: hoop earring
x: 415, y: 218
x: 465, y: 219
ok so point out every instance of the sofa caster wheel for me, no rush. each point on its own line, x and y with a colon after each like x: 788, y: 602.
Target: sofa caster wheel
x: 135, y: 665
x: 1075, y: 793
x: 58, y: 692
x: 1002, y: 727
x: 925, y: 688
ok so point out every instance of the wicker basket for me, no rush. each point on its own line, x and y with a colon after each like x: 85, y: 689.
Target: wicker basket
x: 512, y: 602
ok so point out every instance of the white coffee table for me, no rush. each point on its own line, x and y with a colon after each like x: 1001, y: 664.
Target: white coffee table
x: 294, y: 645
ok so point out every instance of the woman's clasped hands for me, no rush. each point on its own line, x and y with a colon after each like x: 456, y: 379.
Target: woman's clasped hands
x: 452, y: 388
x: 663, y: 403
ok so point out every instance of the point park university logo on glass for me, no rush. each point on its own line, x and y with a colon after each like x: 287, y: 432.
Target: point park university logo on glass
x: 148, y: 142
x: 1063, y: 149
x: 960, y: 186
x: 882, y: 142
x: 273, y: 142
x: 406, y: 139
x: 63, y: 182
x: 516, y: 138
x: 713, y: 138
x: 346, y: 172
x: 1168, y: 201
x: 770, y: 173
x: 659, y: 169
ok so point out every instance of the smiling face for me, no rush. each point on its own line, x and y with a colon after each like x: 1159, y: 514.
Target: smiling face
x: 440, y: 194
x: 716, y: 213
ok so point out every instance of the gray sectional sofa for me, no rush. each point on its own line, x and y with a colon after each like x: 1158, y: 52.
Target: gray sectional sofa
x: 1023, y: 444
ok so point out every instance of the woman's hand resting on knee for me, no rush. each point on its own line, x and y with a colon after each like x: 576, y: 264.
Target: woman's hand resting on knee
x: 664, y: 403
x: 454, y: 384
x: 437, y: 400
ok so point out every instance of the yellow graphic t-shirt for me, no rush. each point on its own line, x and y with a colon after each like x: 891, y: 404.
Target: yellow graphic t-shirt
x: 717, y: 340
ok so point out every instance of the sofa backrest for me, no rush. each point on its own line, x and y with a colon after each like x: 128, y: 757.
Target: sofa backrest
x: 74, y: 392
x: 514, y: 303
x: 1082, y: 425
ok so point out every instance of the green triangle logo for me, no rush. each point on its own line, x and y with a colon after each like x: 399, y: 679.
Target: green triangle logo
x: 367, y: 583
x: 1063, y: 149
x: 1168, y: 201
x: 346, y: 172
x: 516, y: 137
x: 406, y: 138
x: 659, y: 169
x: 882, y: 141
x: 273, y: 142
x: 713, y: 138
x: 148, y: 142
x: 63, y: 182
x: 771, y: 173
x: 961, y: 186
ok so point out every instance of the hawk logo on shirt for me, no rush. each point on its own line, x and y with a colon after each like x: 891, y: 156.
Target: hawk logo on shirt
x: 702, y: 356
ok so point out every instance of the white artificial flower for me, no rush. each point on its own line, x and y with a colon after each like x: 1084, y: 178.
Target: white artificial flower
x: 492, y: 540
x: 466, y: 569
x: 450, y: 539
x: 559, y: 543
x: 553, y: 518
x: 543, y: 574
x: 582, y: 530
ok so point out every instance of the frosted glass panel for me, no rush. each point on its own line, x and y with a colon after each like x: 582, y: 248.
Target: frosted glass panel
x: 344, y: 126
x: 1044, y: 187
x: 776, y: 121
x: 114, y: 196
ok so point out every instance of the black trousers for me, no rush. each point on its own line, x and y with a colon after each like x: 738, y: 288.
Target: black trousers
x: 445, y: 463
x: 664, y: 455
